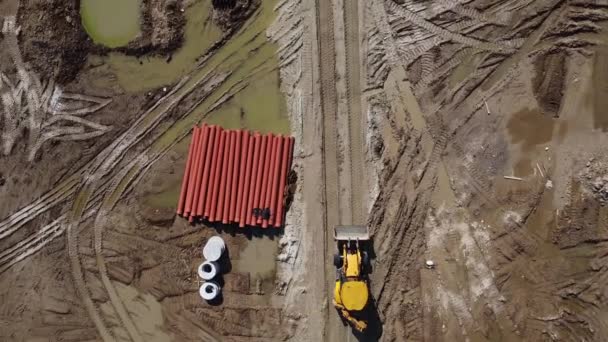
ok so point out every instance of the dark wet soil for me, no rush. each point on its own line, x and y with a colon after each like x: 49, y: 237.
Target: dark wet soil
x: 548, y: 82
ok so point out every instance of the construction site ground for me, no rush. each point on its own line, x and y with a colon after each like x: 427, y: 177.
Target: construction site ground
x: 467, y: 133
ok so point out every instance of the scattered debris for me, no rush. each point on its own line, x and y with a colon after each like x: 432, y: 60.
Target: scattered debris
x: 513, y: 178
x: 540, y: 170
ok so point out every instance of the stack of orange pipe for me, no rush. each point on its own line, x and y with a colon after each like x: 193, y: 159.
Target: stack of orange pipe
x: 236, y: 177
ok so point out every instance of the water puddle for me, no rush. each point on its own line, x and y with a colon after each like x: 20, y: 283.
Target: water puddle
x: 140, y: 74
x: 530, y: 128
x: 258, y: 258
x: 112, y: 23
x: 260, y: 107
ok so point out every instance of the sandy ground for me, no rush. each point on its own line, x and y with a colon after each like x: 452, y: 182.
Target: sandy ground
x: 452, y: 96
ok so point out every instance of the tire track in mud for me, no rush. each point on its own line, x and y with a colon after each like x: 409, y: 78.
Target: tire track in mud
x: 331, y: 182
x: 73, y: 220
x: 353, y: 90
x: 110, y: 161
x: 67, y: 188
x: 107, y: 160
x: 449, y: 35
x: 42, y: 237
x: 441, y: 135
x: 453, y: 5
x: 98, y: 226
x: 333, y: 207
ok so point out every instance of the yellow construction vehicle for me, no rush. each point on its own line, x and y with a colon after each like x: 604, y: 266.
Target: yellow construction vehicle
x: 352, y: 263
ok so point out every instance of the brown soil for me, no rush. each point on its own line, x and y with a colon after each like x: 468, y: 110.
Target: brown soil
x: 52, y: 40
x: 68, y: 45
x: 549, y: 81
x: 231, y: 14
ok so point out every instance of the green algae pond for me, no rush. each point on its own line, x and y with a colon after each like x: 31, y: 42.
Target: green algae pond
x: 112, y: 23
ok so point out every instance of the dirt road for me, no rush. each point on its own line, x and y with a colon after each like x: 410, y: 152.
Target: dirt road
x: 334, y: 330
x: 353, y: 211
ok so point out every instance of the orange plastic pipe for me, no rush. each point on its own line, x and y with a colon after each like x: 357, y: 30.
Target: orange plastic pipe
x: 226, y: 189
x: 182, y: 193
x: 271, y: 149
x: 206, y: 165
x: 190, y: 191
x: 259, y: 178
x: 199, y: 168
x: 245, y: 184
x: 287, y: 151
x: 208, y: 205
x: 254, y: 174
x: 203, y: 195
x: 217, y: 179
x: 241, y: 180
x: 236, y: 157
x: 276, y: 170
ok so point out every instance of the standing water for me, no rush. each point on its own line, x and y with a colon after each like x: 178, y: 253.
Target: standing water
x: 112, y: 23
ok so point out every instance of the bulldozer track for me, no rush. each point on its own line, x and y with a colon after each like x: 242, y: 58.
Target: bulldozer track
x: 353, y: 91
x: 447, y: 34
x: 82, y: 183
x: 333, y: 208
x: 68, y: 187
x: 35, y: 242
x: 98, y: 227
x: 327, y: 66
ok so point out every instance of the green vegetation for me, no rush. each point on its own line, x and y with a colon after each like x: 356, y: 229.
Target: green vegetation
x: 112, y: 23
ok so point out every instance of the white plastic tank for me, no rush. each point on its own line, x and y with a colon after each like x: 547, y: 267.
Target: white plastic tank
x: 208, y: 270
x: 209, y: 290
x: 214, y: 249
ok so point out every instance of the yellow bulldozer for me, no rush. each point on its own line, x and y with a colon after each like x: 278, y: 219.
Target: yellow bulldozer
x: 351, y: 293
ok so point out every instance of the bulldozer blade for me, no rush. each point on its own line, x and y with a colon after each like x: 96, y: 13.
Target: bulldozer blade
x: 345, y: 233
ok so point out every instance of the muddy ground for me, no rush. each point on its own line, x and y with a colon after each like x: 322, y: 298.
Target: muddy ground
x: 484, y: 129
x: 497, y: 89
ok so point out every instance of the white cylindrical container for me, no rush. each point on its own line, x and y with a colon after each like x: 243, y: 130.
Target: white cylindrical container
x: 209, y: 290
x: 214, y: 248
x: 208, y: 270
